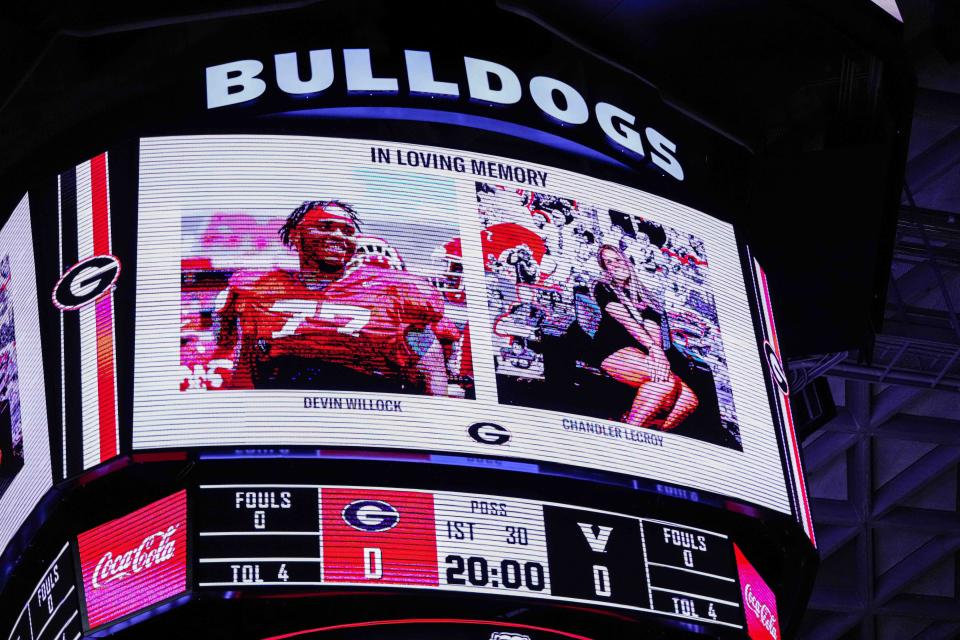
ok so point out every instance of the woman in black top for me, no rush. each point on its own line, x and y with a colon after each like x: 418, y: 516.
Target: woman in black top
x: 630, y: 350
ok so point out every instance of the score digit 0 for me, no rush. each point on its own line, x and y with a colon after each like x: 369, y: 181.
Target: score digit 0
x: 259, y: 502
x: 601, y: 581
x: 687, y: 541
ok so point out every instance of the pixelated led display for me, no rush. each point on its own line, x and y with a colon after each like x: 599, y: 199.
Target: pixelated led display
x: 52, y: 612
x: 25, y: 473
x: 781, y: 390
x: 269, y: 536
x: 759, y: 601
x: 135, y: 561
x: 316, y: 291
x: 84, y: 296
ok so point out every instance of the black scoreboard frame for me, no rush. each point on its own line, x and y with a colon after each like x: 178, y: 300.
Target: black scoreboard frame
x: 149, y: 477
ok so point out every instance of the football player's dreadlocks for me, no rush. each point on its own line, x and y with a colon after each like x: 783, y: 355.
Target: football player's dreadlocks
x: 298, y: 214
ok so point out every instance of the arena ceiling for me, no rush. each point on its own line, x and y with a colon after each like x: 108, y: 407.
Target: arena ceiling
x: 883, y: 473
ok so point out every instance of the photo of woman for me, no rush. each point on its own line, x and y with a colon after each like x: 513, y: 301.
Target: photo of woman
x: 630, y: 347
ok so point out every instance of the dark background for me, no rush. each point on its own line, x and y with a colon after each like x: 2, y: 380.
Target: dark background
x: 805, y: 165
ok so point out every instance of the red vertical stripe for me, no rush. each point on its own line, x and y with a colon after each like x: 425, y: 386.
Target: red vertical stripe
x: 802, y: 480
x: 106, y: 388
x: 101, y: 208
x: 791, y: 430
x: 106, y: 391
x: 769, y: 312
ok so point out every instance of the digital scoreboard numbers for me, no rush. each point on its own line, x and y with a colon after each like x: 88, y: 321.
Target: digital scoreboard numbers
x: 595, y: 556
x: 296, y: 535
x: 690, y: 572
x: 53, y: 611
x: 491, y: 544
x: 258, y: 536
x: 378, y: 537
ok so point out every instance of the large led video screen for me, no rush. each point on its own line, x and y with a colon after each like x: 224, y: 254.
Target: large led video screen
x: 25, y: 472
x: 330, y: 292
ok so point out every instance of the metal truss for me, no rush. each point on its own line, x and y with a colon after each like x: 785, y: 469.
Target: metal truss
x: 883, y: 474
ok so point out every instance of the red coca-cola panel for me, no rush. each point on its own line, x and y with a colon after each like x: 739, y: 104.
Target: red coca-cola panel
x: 373, y: 536
x: 759, y: 601
x: 135, y: 561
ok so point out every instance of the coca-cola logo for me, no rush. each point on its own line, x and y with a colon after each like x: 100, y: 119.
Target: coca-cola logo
x: 761, y: 610
x: 135, y: 561
x: 153, y: 550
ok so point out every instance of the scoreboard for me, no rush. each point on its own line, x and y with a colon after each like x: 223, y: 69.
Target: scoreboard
x: 212, y: 532
x: 263, y: 536
x: 477, y: 321
x: 516, y: 279
x: 52, y: 611
x: 568, y: 328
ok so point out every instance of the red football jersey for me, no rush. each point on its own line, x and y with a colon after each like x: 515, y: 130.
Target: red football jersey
x: 360, y: 322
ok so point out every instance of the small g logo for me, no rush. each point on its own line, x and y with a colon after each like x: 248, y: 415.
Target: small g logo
x: 371, y: 515
x: 489, y: 433
x: 85, y: 282
x: 776, y: 368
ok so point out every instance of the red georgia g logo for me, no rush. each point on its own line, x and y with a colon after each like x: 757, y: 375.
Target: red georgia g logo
x: 86, y: 282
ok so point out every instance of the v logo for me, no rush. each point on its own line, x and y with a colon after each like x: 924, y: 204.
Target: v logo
x: 597, y: 536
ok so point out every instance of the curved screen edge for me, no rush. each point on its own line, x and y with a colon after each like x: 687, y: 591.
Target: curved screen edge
x: 25, y: 461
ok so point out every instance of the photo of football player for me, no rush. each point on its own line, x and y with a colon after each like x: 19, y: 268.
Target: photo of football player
x: 11, y: 431
x: 447, y: 277
x: 604, y: 314
x: 348, y: 315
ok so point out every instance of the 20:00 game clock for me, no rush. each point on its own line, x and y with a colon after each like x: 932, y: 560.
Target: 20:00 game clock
x: 264, y: 536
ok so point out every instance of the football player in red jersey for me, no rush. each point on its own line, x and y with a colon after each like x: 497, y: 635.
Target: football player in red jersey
x: 447, y: 277
x: 336, y: 323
